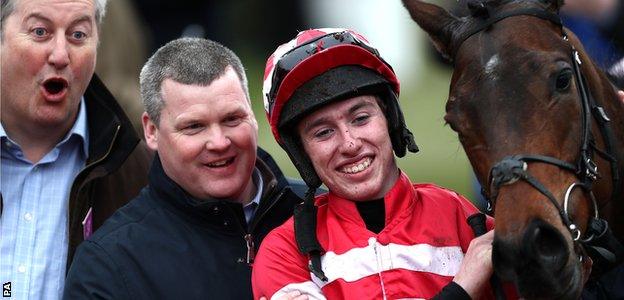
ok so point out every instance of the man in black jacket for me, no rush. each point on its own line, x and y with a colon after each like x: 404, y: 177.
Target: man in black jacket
x: 193, y: 231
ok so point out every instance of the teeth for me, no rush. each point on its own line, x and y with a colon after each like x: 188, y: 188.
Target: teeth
x: 357, y: 168
x: 219, y: 163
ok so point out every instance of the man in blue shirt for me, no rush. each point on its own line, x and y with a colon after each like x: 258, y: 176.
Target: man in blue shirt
x: 69, y: 154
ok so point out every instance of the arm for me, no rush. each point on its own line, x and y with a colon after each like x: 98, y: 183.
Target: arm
x: 621, y: 94
x: 280, y: 271
x: 93, y: 275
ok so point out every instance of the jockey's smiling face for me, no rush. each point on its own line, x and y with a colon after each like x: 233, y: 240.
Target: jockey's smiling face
x: 349, y: 146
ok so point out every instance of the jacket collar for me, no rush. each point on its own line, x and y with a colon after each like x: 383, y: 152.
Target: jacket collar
x: 398, y: 203
x: 108, y: 125
x: 167, y: 190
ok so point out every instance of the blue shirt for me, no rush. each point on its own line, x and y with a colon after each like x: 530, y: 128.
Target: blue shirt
x: 250, y: 208
x: 34, y: 222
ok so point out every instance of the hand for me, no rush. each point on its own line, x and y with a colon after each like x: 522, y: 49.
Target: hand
x: 621, y: 94
x: 294, y: 295
x: 476, y: 268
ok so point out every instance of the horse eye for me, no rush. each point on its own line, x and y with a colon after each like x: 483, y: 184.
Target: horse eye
x: 563, y: 80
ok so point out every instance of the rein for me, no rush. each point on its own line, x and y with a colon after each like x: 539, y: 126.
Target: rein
x: 514, y: 168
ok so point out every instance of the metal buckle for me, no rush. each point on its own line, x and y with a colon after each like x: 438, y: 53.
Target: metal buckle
x: 591, y: 169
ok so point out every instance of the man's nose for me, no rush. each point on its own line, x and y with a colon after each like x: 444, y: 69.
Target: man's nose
x: 217, y: 139
x: 351, y: 142
x: 59, y: 52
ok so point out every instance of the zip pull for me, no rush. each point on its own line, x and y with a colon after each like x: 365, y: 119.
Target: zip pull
x: 251, y: 252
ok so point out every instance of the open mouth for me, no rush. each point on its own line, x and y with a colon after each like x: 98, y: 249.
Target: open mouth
x: 221, y: 163
x: 359, y: 167
x: 55, y: 86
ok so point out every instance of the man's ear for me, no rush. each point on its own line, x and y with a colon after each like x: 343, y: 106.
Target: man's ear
x: 150, y: 131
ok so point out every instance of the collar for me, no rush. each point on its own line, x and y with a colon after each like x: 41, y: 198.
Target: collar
x: 173, y: 195
x: 257, y: 180
x: 398, y: 203
x: 80, y: 128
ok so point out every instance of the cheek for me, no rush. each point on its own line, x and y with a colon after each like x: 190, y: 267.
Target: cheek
x: 244, y: 137
x: 35, y: 56
x: 320, y: 155
x: 84, y: 62
x: 183, y: 149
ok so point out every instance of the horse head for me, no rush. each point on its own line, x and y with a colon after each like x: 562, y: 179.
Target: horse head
x: 529, y: 106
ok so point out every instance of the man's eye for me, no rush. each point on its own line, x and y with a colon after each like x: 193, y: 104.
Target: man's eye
x: 232, y: 120
x: 79, y: 35
x: 39, y: 31
x: 361, y: 119
x: 322, y: 133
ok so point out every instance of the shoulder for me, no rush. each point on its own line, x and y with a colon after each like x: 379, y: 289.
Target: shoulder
x: 448, y: 199
x: 129, y: 218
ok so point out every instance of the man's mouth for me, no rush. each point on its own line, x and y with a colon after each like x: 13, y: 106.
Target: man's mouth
x: 55, y: 86
x: 221, y: 163
x: 358, y: 167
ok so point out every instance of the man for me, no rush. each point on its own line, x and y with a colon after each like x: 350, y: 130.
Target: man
x: 332, y: 105
x: 193, y: 231
x: 69, y: 154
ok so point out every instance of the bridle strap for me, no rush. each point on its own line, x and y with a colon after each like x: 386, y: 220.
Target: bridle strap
x: 514, y: 168
x: 483, y: 24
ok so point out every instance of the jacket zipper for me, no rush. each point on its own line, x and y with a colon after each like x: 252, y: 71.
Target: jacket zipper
x: 87, y: 167
x: 248, y: 237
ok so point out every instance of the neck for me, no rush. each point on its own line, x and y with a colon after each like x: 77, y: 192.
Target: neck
x: 249, y: 192
x: 35, y: 141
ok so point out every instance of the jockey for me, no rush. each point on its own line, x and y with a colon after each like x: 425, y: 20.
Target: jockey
x: 332, y: 104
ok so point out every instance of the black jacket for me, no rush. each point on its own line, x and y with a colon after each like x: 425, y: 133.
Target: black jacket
x: 166, y: 245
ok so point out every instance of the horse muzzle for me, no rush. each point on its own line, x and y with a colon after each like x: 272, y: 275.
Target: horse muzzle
x: 541, y: 263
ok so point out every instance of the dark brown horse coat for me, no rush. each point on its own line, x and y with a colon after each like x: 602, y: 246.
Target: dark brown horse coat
x: 514, y: 91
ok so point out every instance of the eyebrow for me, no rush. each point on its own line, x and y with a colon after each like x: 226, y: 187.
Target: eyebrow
x: 351, y: 110
x: 360, y: 105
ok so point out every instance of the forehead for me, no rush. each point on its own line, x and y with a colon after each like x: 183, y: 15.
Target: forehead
x: 337, y: 109
x: 53, y: 7
x: 225, y: 91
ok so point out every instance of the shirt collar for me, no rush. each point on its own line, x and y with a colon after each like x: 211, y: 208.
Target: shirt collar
x: 257, y: 179
x: 80, y: 129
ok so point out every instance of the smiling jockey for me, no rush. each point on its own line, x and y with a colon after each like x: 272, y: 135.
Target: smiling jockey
x: 332, y: 104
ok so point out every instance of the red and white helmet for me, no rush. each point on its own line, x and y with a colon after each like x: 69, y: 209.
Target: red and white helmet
x: 323, y: 65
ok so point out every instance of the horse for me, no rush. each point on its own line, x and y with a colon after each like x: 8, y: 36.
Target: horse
x: 544, y: 132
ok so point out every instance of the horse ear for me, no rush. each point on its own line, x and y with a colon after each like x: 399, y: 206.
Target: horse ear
x: 436, y: 21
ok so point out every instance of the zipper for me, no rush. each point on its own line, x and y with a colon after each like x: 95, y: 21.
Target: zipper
x: 248, y: 237
x: 110, y: 148
x: 73, y: 196
x: 251, y: 251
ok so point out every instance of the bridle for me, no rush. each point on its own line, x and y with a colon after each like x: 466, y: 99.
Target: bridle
x: 514, y: 168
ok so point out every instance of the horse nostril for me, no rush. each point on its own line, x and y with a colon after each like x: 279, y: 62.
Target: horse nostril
x: 546, y: 245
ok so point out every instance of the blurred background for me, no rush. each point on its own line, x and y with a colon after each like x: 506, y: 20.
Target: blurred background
x: 134, y: 29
